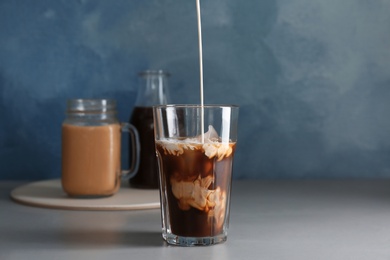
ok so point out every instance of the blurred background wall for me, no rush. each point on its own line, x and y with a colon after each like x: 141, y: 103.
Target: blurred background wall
x: 312, y: 77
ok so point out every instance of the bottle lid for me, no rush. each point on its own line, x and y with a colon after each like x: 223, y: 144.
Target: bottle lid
x: 154, y: 73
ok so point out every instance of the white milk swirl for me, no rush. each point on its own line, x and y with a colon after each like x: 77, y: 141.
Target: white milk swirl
x: 200, y: 65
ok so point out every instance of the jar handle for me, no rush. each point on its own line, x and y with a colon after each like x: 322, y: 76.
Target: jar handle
x: 135, y: 151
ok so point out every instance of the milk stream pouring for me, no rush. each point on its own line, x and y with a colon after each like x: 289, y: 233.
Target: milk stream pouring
x: 153, y: 90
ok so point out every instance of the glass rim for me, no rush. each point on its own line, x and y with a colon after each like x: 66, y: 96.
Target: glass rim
x: 196, y: 106
x: 91, y: 104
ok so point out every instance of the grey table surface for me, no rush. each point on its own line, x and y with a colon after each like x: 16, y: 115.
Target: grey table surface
x: 312, y: 219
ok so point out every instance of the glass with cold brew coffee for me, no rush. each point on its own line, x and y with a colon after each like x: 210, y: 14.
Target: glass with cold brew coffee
x: 195, y: 146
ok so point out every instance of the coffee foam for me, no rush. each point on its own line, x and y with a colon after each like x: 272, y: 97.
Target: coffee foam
x: 212, y: 146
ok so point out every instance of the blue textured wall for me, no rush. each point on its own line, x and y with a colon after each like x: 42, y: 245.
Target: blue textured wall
x: 312, y: 77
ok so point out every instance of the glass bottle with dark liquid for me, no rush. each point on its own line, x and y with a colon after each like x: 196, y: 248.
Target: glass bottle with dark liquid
x: 152, y: 91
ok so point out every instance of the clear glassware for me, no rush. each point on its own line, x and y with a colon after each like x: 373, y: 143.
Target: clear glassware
x: 91, y: 148
x: 153, y: 90
x: 195, y: 147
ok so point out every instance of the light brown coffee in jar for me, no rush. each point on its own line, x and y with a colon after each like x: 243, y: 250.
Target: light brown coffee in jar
x: 91, y: 159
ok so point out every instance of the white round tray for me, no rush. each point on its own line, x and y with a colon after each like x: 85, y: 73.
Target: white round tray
x: 49, y: 194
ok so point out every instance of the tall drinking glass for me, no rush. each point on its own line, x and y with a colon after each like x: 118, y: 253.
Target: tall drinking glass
x: 195, y: 146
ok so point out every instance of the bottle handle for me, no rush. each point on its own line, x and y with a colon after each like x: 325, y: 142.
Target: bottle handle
x: 135, y: 151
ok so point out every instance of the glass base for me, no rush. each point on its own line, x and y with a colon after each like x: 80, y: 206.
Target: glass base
x: 194, y: 241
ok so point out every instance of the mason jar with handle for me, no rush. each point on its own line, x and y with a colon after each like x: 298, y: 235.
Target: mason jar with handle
x: 91, y: 148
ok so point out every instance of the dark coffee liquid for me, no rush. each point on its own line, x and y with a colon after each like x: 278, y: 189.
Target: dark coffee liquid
x: 195, y: 189
x: 147, y: 175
